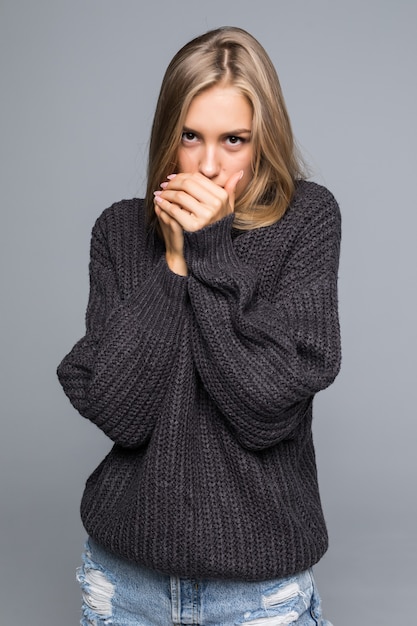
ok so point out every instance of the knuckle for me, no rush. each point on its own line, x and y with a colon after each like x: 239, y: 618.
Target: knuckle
x: 182, y: 196
x: 183, y: 179
x: 218, y: 204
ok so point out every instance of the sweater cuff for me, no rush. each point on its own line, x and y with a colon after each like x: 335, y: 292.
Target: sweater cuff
x: 211, y: 248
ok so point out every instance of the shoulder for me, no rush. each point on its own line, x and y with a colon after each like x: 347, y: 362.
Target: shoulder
x: 122, y: 241
x: 121, y: 214
x: 121, y: 221
x: 316, y: 219
x: 312, y: 202
x: 120, y: 228
x: 312, y: 222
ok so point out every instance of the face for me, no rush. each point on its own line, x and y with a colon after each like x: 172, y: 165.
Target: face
x: 217, y: 136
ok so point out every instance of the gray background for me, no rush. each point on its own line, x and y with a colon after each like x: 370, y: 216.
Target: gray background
x: 79, y: 81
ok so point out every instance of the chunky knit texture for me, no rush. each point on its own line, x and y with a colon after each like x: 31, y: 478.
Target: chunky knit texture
x: 205, y: 385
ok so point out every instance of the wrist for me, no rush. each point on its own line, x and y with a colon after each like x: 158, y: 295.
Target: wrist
x: 176, y: 264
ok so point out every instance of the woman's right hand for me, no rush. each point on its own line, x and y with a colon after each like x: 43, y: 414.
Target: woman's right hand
x: 173, y: 235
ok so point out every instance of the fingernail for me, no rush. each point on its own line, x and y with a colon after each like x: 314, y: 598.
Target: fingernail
x: 157, y: 193
x: 241, y: 175
x: 163, y: 185
x: 171, y: 176
x: 158, y: 199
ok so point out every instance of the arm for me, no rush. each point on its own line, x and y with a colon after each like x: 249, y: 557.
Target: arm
x: 262, y: 360
x: 117, y: 375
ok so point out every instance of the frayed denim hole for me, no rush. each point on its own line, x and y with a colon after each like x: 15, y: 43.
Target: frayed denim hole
x: 273, y: 601
x: 290, y: 591
x: 283, y: 604
x: 98, y: 590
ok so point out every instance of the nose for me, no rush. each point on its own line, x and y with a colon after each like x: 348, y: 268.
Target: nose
x: 209, y: 164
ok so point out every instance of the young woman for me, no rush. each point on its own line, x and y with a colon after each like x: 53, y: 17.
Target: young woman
x: 211, y: 323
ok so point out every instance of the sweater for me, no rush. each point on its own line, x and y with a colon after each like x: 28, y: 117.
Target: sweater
x: 205, y: 386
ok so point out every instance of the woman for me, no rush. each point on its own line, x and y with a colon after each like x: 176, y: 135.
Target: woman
x: 211, y: 323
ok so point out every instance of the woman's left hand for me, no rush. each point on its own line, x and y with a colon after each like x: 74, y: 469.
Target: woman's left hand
x: 195, y: 201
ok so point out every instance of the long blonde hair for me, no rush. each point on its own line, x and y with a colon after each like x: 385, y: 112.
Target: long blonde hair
x: 230, y: 56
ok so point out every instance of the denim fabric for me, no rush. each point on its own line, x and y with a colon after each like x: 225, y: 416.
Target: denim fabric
x: 117, y: 592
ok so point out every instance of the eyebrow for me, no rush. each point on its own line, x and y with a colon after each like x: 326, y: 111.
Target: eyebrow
x: 237, y: 131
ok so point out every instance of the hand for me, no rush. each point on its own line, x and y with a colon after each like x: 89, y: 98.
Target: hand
x: 194, y: 201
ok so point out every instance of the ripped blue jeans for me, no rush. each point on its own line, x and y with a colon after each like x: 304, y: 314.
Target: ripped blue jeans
x: 117, y: 592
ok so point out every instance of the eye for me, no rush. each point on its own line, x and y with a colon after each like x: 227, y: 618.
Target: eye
x: 188, y: 137
x: 233, y: 140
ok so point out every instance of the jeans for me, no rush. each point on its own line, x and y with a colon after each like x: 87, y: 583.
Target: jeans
x: 118, y: 592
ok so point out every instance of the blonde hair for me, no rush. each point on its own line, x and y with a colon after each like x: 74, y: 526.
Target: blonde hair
x: 229, y: 56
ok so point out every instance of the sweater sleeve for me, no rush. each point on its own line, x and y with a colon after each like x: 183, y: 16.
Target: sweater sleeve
x: 117, y: 375
x: 262, y: 360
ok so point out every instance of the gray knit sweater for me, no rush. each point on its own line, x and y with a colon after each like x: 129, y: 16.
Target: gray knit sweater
x: 205, y: 385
